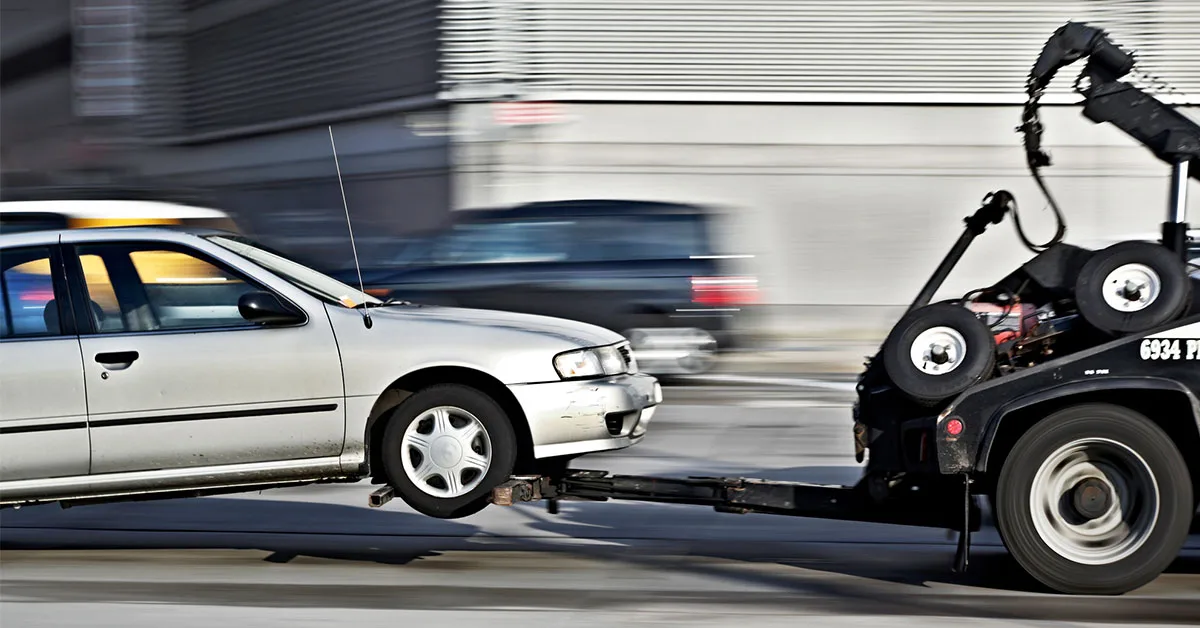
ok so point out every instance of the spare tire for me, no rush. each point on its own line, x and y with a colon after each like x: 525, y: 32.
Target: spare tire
x: 1132, y: 287
x: 938, y: 351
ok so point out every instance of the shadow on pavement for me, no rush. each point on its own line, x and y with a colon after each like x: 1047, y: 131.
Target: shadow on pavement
x: 843, y: 567
x: 287, y: 529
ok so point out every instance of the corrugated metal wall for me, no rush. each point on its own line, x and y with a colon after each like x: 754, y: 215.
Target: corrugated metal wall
x: 890, y: 51
x: 217, y: 66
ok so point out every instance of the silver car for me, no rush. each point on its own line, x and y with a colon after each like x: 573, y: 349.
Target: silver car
x: 141, y: 362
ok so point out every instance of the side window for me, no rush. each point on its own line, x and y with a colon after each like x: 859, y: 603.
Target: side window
x: 646, y: 237
x: 146, y: 289
x: 29, y: 307
x: 505, y: 242
x: 666, y: 237
x: 106, y: 311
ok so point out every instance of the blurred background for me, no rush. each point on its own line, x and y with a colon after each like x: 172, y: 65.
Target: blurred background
x: 777, y: 175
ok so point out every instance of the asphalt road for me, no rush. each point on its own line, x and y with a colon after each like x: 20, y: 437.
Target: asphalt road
x: 316, y: 555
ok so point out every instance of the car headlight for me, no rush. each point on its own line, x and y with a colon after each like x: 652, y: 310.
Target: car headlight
x: 596, y: 362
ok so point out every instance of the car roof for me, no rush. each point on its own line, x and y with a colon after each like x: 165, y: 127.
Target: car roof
x: 136, y: 232
x: 111, y: 209
x: 577, y: 208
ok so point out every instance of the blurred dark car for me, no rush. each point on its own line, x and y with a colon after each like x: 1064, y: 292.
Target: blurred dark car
x: 647, y: 270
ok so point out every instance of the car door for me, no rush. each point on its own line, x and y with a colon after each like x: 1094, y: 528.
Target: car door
x: 176, y: 378
x: 43, y: 408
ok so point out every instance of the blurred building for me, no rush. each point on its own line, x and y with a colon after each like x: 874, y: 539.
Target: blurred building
x: 846, y: 139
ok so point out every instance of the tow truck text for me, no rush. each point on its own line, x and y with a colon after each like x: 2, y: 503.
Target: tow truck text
x: 1170, y: 349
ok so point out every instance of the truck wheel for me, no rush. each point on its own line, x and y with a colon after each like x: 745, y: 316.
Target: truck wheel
x: 1094, y: 499
x: 1132, y: 287
x: 445, y: 448
x: 938, y: 351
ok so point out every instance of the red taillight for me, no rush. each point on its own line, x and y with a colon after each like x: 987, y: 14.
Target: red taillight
x: 722, y: 291
x: 954, y: 426
x: 40, y: 296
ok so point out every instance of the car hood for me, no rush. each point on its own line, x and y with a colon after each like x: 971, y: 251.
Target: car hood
x: 512, y: 348
x: 573, y: 332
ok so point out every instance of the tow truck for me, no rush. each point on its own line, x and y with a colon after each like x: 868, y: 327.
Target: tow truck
x: 1067, y: 394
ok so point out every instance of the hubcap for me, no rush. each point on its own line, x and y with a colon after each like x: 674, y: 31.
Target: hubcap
x: 1091, y: 498
x: 938, y: 351
x: 1094, y: 501
x: 446, y: 452
x: 1132, y: 288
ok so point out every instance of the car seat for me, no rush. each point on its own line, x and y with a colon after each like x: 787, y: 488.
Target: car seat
x: 53, y: 326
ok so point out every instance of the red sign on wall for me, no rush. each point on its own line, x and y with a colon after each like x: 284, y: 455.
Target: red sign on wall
x: 520, y: 113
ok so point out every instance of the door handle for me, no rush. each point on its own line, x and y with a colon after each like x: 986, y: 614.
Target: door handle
x: 117, y: 358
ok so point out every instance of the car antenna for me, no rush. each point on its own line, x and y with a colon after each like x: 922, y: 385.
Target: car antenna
x: 346, y: 207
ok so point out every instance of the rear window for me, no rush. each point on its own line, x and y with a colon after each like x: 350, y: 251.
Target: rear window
x: 26, y: 290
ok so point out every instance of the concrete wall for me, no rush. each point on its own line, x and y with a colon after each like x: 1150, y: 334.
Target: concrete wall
x: 846, y: 208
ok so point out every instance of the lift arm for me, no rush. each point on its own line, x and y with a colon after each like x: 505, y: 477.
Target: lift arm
x: 1171, y: 136
x: 743, y: 495
x: 1168, y: 134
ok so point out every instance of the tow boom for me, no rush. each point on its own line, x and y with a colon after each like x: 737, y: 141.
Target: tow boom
x: 1171, y: 136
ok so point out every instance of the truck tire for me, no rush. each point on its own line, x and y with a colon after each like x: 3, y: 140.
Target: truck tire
x: 445, y: 448
x: 1094, y: 499
x: 1132, y: 287
x: 967, y: 356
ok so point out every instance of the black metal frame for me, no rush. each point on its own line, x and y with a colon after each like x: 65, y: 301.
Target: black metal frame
x: 917, y: 471
x: 740, y: 496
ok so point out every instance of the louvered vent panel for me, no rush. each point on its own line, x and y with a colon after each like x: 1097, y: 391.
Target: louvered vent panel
x: 307, y: 57
x: 795, y: 50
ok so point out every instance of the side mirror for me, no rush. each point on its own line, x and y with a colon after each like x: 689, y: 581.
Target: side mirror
x: 266, y: 308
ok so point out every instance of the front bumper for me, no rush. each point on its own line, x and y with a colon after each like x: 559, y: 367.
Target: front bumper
x: 579, y: 417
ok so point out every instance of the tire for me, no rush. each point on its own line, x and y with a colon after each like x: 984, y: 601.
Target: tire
x: 430, y: 493
x: 1035, y: 521
x: 972, y: 355
x: 1165, y: 295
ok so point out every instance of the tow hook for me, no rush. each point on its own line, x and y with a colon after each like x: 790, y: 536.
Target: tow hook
x: 860, y: 441
x: 381, y: 496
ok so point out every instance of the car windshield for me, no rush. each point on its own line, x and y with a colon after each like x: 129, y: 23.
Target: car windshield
x: 317, y: 284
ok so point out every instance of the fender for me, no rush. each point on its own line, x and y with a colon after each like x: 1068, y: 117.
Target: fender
x: 1106, y: 384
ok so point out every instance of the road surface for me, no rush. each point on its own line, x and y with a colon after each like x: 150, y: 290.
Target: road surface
x: 312, y: 556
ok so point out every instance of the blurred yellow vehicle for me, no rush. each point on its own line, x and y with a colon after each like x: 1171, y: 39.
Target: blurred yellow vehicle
x: 39, y: 215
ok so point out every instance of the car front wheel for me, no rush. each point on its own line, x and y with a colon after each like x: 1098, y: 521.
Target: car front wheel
x: 445, y: 448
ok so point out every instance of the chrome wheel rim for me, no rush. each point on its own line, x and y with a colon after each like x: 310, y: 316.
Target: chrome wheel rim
x: 1094, y: 533
x: 446, y: 452
x: 1132, y: 288
x: 938, y: 350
